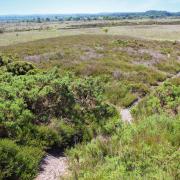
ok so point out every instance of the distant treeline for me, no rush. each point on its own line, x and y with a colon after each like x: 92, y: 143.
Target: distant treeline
x: 77, y: 17
x: 123, y: 23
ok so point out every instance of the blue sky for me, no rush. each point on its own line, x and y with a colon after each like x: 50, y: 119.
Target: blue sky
x: 84, y: 6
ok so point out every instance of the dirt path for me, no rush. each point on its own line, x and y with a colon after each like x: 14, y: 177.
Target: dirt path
x: 53, y: 168
x: 126, y: 113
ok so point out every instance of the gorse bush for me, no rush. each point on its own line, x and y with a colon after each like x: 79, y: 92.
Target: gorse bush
x: 37, y: 99
x: 45, y: 109
x: 165, y: 99
x: 18, y: 162
x: 19, y: 68
x: 15, y: 67
x: 5, y: 60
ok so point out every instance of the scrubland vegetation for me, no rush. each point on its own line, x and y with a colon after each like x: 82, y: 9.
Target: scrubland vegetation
x: 148, y: 149
x: 65, y: 92
x: 127, y: 67
x: 39, y: 110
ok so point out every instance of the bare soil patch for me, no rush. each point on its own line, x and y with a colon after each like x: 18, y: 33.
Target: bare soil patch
x: 53, y: 168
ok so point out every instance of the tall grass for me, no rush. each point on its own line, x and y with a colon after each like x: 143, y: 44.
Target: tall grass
x: 146, y: 150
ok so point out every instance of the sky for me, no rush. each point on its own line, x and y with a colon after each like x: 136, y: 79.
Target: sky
x: 19, y: 7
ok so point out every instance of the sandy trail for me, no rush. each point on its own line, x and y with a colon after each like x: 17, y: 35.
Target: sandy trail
x: 126, y: 113
x: 53, y: 168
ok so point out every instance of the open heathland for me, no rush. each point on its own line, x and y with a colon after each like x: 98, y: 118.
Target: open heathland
x: 90, y: 103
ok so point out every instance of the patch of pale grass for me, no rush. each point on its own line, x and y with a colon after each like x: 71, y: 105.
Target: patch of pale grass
x: 150, y: 32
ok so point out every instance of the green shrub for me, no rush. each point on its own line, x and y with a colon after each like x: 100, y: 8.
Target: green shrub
x: 18, y: 162
x: 165, y: 99
x: 120, y: 42
x: 120, y: 94
x: 4, y: 60
x: 36, y: 99
x: 106, y: 30
x: 19, y: 68
x: 29, y: 104
x: 146, y: 150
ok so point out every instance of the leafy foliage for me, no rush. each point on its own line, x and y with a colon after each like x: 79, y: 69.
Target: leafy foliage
x: 4, y: 60
x: 19, y: 68
x: 165, y: 99
x: 44, y: 109
x: 147, y: 150
x: 18, y: 162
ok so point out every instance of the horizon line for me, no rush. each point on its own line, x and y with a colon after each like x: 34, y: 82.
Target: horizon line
x: 93, y: 13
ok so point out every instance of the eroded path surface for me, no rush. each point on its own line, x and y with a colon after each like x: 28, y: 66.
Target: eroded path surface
x: 53, y: 168
x: 126, y: 113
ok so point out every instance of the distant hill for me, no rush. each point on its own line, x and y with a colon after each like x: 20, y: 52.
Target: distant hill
x: 67, y: 17
x: 151, y: 13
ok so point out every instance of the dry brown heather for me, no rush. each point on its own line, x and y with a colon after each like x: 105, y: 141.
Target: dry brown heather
x: 128, y: 66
